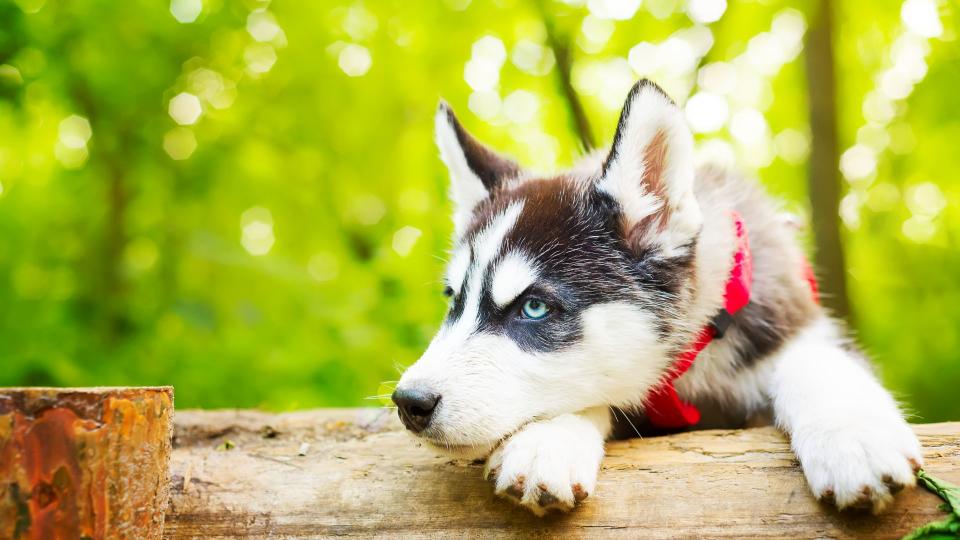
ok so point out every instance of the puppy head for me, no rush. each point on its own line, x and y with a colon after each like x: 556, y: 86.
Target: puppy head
x: 566, y: 292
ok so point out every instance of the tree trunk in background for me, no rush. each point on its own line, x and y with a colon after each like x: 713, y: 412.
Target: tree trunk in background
x: 823, y: 179
x: 560, y: 45
x: 115, y: 241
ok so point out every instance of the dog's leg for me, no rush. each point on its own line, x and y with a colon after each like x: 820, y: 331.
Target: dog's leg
x: 848, y: 433
x: 551, y: 464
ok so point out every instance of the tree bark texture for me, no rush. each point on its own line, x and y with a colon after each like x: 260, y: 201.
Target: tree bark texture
x: 355, y: 472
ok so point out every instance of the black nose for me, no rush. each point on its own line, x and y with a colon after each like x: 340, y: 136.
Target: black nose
x: 415, y: 407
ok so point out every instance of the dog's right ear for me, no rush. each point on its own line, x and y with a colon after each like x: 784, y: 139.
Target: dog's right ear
x: 475, y: 170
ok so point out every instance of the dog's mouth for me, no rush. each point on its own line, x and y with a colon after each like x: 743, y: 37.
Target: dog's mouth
x: 478, y: 450
x: 464, y: 451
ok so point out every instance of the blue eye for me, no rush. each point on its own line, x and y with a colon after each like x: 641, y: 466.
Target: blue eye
x: 534, y: 309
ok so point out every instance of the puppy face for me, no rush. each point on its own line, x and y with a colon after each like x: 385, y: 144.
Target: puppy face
x: 566, y: 292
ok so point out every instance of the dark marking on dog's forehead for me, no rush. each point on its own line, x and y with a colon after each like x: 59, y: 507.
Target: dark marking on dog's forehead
x: 558, y: 214
x: 575, y: 233
x: 573, y: 236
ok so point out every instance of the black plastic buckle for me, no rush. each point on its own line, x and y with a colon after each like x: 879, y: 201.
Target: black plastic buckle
x: 721, y: 321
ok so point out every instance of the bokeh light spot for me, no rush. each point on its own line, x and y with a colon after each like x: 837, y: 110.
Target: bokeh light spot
x: 718, y: 77
x: 620, y: 10
x: 404, y: 240
x: 259, y: 57
x: 212, y: 87
x: 354, y: 60
x: 748, y: 126
x: 792, y: 146
x: 185, y: 109
x: 485, y: 105
x: 179, y: 143
x: 10, y: 75
x: 926, y: 199
x: 706, y: 112
x: 595, y: 32
x: 70, y: 158
x: 262, y: 25
x: 256, y: 225
x: 919, y: 229
x: 521, y: 107
x: 643, y: 58
x: 533, y: 58
x: 921, y: 18
x: 715, y: 152
x: 608, y: 80
x: 682, y: 58
x: 482, y: 71
x: 31, y: 6
x: 850, y: 210
x: 359, y: 22
x: 74, y: 131
x: 877, y: 108
x: 706, y: 11
x: 368, y: 210
x: 858, y: 162
x: 186, y: 11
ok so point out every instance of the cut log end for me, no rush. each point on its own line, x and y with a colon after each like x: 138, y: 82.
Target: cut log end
x: 84, y: 462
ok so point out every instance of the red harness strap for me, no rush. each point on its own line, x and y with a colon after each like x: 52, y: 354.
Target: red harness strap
x: 663, y: 407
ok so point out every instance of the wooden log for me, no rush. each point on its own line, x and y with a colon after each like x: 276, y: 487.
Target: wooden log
x: 84, y: 463
x: 355, y: 472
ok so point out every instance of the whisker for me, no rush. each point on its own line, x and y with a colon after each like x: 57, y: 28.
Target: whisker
x: 635, y: 430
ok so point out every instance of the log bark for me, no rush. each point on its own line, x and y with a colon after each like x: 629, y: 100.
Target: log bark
x: 356, y: 473
x: 84, y: 463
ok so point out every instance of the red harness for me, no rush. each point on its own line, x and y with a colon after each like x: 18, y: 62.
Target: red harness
x: 664, y: 408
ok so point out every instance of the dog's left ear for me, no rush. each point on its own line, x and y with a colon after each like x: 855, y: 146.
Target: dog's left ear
x: 475, y: 170
x: 649, y: 172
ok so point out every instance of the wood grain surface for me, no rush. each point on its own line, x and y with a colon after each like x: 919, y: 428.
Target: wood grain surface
x: 354, y: 472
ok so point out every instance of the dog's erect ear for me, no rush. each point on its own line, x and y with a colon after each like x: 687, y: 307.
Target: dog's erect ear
x: 649, y: 171
x: 475, y: 170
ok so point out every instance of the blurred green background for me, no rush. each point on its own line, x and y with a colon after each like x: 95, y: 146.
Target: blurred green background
x: 243, y: 199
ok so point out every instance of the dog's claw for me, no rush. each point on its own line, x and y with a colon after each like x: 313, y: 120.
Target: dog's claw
x: 515, y: 489
x: 579, y: 494
x: 546, y: 499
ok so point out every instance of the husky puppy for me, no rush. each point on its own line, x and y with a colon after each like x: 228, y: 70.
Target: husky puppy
x: 573, y: 294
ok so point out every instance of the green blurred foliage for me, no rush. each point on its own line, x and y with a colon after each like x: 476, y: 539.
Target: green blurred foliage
x: 284, y: 248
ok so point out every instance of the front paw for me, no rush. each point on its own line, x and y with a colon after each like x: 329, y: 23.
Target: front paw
x: 857, y: 466
x: 546, y: 466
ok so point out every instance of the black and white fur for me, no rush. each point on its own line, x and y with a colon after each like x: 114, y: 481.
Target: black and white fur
x: 630, y: 251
